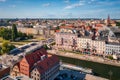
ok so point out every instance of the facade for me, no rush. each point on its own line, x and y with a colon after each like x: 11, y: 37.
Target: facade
x: 94, y: 46
x: 28, y: 30
x: 113, y: 48
x: 66, y: 41
x: 29, y: 60
x: 46, y: 70
x: 37, y: 65
x: 36, y: 31
x: 15, y: 71
x: 69, y: 39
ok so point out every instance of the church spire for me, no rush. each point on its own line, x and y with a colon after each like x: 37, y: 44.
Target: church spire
x: 108, y: 20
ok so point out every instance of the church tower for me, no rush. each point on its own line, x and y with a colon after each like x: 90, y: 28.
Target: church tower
x: 108, y: 21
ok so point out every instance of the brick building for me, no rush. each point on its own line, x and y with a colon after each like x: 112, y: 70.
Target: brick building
x: 35, y: 60
x: 46, y: 70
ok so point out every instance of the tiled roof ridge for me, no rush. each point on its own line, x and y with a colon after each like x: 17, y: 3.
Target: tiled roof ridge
x: 47, y: 63
x: 35, y: 56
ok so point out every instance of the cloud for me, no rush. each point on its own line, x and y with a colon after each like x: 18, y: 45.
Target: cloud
x: 74, y: 5
x: 2, y: 0
x: 12, y: 6
x: 67, y: 1
x: 46, y: 5
x: 92, y: 0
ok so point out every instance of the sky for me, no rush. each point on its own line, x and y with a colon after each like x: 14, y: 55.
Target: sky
x: 59, y: 8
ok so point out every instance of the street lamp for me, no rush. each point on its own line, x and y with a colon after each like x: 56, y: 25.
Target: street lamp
x: 110, y: 73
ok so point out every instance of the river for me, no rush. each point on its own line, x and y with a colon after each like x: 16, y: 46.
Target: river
x: 99, y: 69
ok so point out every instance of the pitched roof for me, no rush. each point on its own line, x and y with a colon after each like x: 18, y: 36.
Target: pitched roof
x: 35, y: 56
x: 46, y: 64
x: 3, y: 72
x: 17, y: 64
x: 68, y: 26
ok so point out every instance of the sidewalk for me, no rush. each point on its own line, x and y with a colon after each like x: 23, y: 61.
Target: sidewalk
x: 84, y: 57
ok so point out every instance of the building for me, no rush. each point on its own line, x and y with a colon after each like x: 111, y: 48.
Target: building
x: 28, y: 30
x: 66, y: 39
x: 4, y: 71
x: 45, y: 67
x: 110, y: 22
x: 71, y: 39
x: 92, y: 77
x: 15, y: 70
x: 86, y: 44
x: 46, y: 70
x: 113, y: 48
x: 29, y: 60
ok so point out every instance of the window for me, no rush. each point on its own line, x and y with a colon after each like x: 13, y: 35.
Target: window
x: 38, y: 75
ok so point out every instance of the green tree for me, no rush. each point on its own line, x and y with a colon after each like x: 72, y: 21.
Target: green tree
x: 6, y: 47
x: 118, y: 24
x: 14, y: 32
x: 5, y: 33
x: 57, y: 28
x: 45, y: 46
x: 0, y: 50
x: 30, y: 36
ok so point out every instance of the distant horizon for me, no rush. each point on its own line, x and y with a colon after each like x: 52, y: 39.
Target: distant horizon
x: 62, y: 18
x: 60, y: 9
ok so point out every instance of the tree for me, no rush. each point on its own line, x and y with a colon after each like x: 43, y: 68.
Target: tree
x: 6, y: 47
x: 45, y: 46
x: 30, y: 36
x: 57, y: 28
x: 0, y: 50
x: 118, y: 24
x: 14, y: 32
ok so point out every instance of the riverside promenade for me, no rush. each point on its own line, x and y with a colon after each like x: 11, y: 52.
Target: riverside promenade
x: 85, y: 57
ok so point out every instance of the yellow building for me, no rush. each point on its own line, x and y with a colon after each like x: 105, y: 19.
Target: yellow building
x: 15, y: 70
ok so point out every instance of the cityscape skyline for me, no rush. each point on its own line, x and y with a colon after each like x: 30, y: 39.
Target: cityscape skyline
x: 59, y: 9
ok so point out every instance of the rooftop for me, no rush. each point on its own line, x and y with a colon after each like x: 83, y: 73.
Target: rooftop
x: 47, y: 63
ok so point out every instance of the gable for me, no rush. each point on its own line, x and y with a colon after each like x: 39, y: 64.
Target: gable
x: 24, y: 61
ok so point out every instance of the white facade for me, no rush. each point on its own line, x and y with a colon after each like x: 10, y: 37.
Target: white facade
x: 113, y: 48
x: 96, y: 44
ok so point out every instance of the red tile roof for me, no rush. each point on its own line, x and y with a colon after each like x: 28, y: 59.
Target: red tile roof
x: 69, y: 26
x: 47, y: 63
x: 4, y: 72
x: 35, y: 56
x: 57, y: 30
x: 99, y: 25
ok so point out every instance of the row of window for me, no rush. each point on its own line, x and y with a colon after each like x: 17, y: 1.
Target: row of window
x: 48, y: 74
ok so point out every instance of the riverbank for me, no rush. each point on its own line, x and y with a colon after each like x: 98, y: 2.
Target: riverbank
x: 85, y: 57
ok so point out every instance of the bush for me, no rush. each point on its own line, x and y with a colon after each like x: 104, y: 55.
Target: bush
x: 110, y: 57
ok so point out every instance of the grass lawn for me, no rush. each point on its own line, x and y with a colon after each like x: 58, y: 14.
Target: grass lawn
x: 16, y: 43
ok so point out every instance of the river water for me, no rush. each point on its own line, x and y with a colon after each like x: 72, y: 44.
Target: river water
x: 99, y: 69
